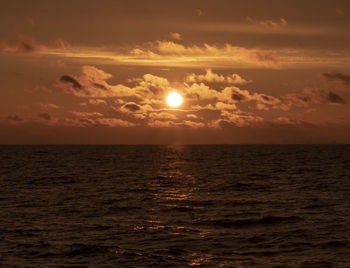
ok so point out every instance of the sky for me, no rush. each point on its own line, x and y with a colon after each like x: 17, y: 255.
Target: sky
x: 99, y: 72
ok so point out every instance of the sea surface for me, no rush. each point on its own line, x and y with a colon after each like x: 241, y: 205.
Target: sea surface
x: 175, y: 206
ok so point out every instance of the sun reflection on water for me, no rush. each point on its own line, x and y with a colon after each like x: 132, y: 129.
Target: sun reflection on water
x: 175, y: 194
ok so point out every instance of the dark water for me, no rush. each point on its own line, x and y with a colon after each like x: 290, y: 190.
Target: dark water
x: 180, y: 206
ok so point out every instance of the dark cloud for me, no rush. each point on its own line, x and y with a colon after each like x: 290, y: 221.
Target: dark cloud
x: 44, y: 116
x: 26, y: 47
x: 265, y: 98
x: 71, y: 80
x: 334, y: 98
x: 132, y: 107
x: 237, y: 96
x: 303, y: 98
x: 156, y: 90
x: 14, y: 118
x: 336, y: 76
x: 314, y: 96
x: 100, y: 86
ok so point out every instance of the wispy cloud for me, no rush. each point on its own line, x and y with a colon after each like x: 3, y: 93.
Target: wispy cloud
x: 24, y: 45
x: 212, y: 77
x: 268, y: 22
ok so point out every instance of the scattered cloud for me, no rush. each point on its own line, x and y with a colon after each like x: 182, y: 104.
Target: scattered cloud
x: 210, y: 100
x: 212, y: 77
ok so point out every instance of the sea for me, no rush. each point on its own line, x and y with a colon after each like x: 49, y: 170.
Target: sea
x: 175, y: 206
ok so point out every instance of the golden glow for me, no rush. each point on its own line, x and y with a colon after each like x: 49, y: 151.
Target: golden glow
x: 174, y: 99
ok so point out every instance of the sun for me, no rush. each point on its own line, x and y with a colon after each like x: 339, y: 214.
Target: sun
x: 174, y: 99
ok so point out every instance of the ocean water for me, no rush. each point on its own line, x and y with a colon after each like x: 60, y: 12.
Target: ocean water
x: 175, y: 206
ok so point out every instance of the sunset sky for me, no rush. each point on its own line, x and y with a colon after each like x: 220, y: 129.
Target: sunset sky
x: 248, y: 71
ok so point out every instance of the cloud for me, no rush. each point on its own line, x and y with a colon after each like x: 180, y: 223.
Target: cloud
x: 193, y: 124
x: 136, y: 110
x: 334, y: 98
x: 87, y: 114
x: 235, y: 119
x: 162, y: 124
x: 175, y: 36
x: 142, y: 102
x: 132, y: 107
x: 261, y: 106
x: 193, y: 116
x: 50, y: 106
x: 154, y: 84
x: 86, y: 119
x: 339, y: 11
x: 229, y: 97
x: 172, y: 124
x: 286, y: 121
x: 15, y: 118
x: 265, y: 99
x: 113, y: 122
x: 314, y: 96
x: 93, y: 84
x: 199, y: 12
x: 269, y: 23
x: 162, y: 115
x: 70, y: 80
x: 212, y: 77
x: 225, y: 106
x: 156, y: 53
x: 95, y: 74
x: 336, y: 76
x: 62, y: 44
x: 97, y: 101
x: 201, y: 92
x: 226, y: 53
x: 24, y: 45
x: 172, y: 53
x: 44, y: 116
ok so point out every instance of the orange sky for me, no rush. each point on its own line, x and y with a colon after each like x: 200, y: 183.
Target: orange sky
x: 248, y: 71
